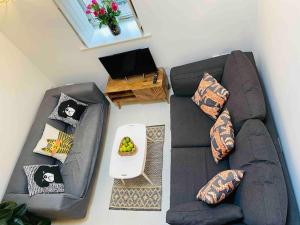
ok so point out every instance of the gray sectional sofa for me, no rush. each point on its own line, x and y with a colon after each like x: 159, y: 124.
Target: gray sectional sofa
x: 79, y: 169
x: 265, y: 195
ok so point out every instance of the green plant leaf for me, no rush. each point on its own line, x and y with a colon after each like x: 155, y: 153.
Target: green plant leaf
x: 15, y: 221
x: 44, y: 221
x: 8, y: 205
x: 5, y: 214
x: 20, y: 210
x: 3, y: 222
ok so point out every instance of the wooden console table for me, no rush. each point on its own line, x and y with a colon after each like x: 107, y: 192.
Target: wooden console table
x: 138, y: 89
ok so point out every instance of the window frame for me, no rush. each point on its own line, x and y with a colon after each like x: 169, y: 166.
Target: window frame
x: 89, y: 34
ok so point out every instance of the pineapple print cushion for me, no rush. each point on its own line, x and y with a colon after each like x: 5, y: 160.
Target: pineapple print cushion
x: 54, y: 143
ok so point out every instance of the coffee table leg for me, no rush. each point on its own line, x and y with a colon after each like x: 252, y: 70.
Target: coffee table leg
x: 147, y: 178
x: 123, y: 182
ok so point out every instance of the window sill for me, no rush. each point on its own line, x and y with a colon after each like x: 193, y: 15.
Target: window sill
x: 103, y: 37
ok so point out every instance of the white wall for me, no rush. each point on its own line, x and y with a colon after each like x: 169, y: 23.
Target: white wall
x: 278, y: 57
x: 21, y: 88
x: 182, y: 31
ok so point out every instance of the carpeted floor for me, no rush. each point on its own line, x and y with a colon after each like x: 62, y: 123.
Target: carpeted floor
x: 138, y: 193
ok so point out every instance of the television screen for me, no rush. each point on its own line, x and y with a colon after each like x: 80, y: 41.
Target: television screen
x: 130, y: 63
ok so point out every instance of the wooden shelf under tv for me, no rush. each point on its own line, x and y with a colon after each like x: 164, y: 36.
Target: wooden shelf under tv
x: 138, y: 89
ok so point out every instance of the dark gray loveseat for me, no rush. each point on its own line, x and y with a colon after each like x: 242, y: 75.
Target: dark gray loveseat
x: 265, y: 196
x: 79, y: 168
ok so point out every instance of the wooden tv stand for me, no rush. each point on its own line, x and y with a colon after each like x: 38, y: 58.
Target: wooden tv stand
x: 138, y: 89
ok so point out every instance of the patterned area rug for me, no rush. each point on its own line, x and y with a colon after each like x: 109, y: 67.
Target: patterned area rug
x: 138, y: 193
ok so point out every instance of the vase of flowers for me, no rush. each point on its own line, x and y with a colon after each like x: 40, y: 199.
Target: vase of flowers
x: 106, y: 13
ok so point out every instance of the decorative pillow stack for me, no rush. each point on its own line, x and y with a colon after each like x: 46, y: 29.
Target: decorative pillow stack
x: 44, y: 179
x: 210, y: 96
x: 222, y: 136
x: 68, y: 110
x: 54, y: 143
x: 220, y: 186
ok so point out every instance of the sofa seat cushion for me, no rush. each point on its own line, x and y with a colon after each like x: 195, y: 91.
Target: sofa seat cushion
x: 189, y: 126
x: 262, y: 195
x: 191, y: 169
x: 201, y: 214
x: 246, y: 100
x: 79, y: 166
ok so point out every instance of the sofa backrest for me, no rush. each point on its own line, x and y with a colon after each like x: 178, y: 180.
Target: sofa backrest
x: 18, y: 180
x: 262, y: 194
x: 246, y: 99
x: 185, y: 79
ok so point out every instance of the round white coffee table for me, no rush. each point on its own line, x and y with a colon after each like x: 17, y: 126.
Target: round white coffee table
x: 127, y: 167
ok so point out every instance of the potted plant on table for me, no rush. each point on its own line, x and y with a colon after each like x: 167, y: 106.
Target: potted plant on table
x: 13, y: 214
x: 106, y: 13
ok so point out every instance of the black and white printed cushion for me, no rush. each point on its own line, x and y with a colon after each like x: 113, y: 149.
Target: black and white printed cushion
x: 44, y: 179
x: 68, y: 110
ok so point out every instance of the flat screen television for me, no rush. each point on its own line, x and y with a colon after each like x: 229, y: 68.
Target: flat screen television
x: 136, y: 62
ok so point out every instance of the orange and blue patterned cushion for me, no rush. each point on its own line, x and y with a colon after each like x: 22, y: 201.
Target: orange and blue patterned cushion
x: 210, y: 96
x: 220, y: 186
x: 222, y: 136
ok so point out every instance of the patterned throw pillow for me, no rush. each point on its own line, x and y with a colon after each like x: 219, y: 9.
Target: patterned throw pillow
x: 68, y: 110
x: 222, y: 136
x: 220, y: 186
x: 54, y: 143
x: 210, y: 96
x: 44, y: 179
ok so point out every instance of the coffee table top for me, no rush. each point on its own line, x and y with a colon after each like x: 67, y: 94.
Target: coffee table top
x: 126, y: 167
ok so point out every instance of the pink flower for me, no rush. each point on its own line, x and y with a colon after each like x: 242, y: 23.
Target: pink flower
x: 94, y: 2
x: 96, y: 13
x: 89, y: 6
x: 102, y: 11
x: 114, y: 6
x: 88, y: 11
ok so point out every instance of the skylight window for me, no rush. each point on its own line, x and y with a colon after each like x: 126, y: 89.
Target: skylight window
x: 87, y: 25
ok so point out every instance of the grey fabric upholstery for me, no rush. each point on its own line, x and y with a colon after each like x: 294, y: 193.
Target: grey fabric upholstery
x: 186, y: 78
x: 191, y: 165
x: 246, y: 100
x: 190, y: 126
x: 199, y: 213
x: 262, y: 194
x: 18, y: 181
x: 77, y: 169
x: 191, y: 168
x: 293, y: 214
x: 80, y: 165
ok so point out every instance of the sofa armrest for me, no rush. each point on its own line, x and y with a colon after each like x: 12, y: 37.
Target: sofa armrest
x: 85, y: 92
x: 54, y: 206
x: 199, y: 213
x: 185, y: 79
